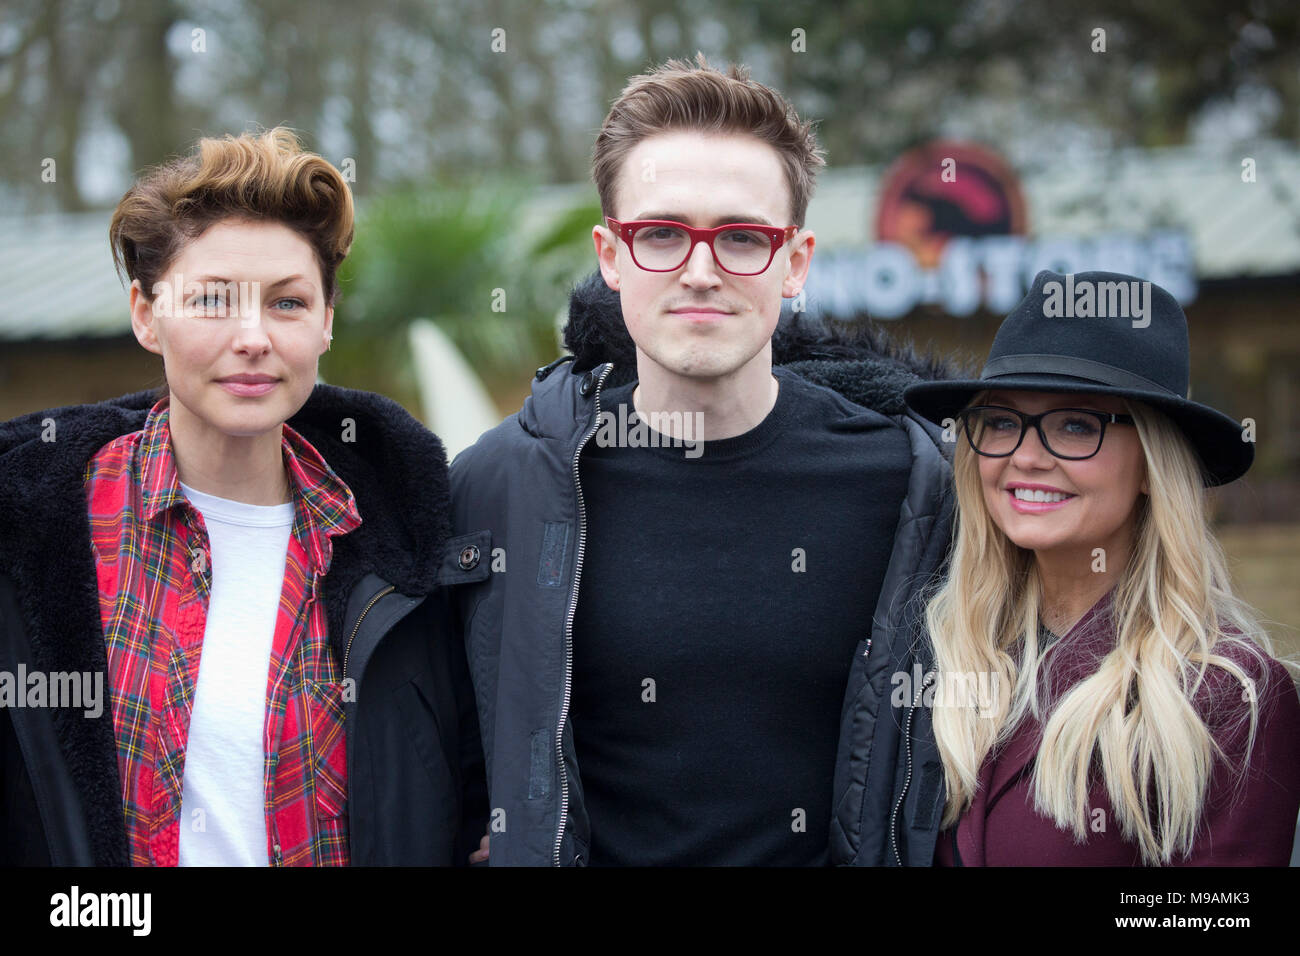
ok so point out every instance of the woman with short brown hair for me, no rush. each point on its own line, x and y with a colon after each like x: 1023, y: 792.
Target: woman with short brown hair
x: 248, y: 565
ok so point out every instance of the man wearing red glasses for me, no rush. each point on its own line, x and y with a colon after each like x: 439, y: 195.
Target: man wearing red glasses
x: 683, y: 655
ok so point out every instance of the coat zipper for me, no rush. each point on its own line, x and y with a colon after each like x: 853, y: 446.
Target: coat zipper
x: 356, y: 627
x: 568, y: 624
x: 907, y: 735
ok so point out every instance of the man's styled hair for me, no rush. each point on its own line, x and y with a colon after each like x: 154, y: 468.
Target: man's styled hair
x: 680, y: 96
x: 259, y: 177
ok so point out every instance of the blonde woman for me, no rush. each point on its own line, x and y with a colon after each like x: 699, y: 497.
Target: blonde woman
x: 1133, y: 713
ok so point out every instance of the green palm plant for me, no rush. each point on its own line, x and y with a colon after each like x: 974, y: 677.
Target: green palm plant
x: 476, y: 261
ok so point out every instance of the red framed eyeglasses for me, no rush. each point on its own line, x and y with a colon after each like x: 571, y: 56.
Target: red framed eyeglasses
x: 740, y: 248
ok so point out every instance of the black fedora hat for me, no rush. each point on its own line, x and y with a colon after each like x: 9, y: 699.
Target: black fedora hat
x: 1100, y: 333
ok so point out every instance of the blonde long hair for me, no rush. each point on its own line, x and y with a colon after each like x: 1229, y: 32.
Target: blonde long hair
x: 1173, y: 609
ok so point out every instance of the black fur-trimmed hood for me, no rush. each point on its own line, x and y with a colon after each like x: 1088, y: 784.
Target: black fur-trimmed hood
x: 396, y: 469
x: 857, y: 359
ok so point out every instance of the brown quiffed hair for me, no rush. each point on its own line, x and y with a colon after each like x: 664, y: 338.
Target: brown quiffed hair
x: 680, y: 96
x: 263, y: 176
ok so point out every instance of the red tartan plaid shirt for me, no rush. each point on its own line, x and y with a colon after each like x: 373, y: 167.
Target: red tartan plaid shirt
x: 155, y: 577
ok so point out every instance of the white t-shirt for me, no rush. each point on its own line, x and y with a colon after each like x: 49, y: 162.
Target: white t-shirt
x: 225, y: 755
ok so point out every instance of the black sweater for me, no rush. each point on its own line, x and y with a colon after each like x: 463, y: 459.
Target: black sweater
x: 724, y: 594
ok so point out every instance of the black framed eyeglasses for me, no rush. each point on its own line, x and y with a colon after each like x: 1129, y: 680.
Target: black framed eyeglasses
x: 1074, y: 434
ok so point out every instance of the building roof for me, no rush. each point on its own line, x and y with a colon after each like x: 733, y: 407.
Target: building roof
x: 58, y: 279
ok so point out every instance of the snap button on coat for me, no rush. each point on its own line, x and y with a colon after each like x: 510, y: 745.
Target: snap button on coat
x: 469, y: 556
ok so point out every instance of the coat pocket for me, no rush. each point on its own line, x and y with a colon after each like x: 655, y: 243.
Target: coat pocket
x: 329, y: 747
x: 423, y: 737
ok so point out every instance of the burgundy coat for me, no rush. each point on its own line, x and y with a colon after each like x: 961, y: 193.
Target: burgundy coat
x: 1248, y: 820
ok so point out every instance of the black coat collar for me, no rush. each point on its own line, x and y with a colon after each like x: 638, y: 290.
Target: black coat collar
x: 856, y: 359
